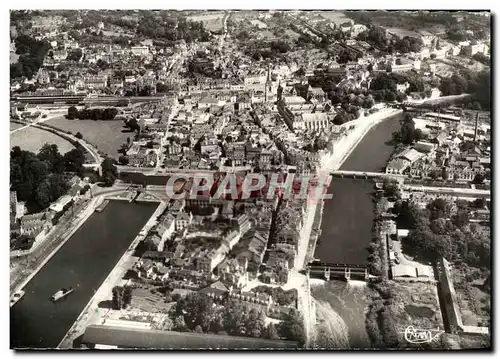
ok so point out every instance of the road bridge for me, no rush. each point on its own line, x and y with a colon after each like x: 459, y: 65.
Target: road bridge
x: 339, y: 270
x: 366, y: 175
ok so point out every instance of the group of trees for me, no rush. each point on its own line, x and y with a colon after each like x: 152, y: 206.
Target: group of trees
x: 197, y: 312
x: 37, y: 179
x: 375, y: 35
x: 173, y: 29
x: 475, y: 83
x: 443, y: 229
x: 408, y: 44
x: 384, y: 86
x: 109, y: 171
x: 408, y: 134
x: 344, y: 116
x: 32, y: 53
x: 92, y: 114
x: 482, y: 58
x: 347, y: 56
x: 122, y: 296
x: 267, y: 49
x: 132, y: 124
x: 282, y: 297
x: 380, y: 320
x: 75, y: 55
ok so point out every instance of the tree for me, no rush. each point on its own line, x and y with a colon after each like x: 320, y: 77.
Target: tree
x: 127, y: 296
x: 72, y: 113
x: 197, y: 309
x: 124, y: 160
x: 292, y: 327
x: 74, y: 160
x: 341, y: 118
x: 271, y: 332
x: 79, y: 135
x: 438, y: 44
x: 124, y: 148
x: 133, y: 125
x: 368, y: 102
x: 117, y: 297
x: 50, y: 154
x: 109, y: 171
x: 479, y: 203
x: 75, y: 55
x: 407, y: 132
x: 478, y: 179
x: 179, y: 324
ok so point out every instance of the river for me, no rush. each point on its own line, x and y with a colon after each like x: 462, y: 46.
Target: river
x: 83, y: 262
x: 348, y: 216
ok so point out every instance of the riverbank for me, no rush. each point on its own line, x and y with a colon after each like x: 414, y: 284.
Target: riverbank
x: 75, y: 225
x: 330, y: 162
x: 344, y: 147
x: 346, y: 231
x: 91, y: 314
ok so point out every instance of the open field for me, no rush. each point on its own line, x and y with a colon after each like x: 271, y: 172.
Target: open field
x: 211, y: 20
x: 15, y: 125
x: 107, y: 136
x: 32, y: 139
x: 334, y: 16
x: 473, y: 296
x: 417, y: 305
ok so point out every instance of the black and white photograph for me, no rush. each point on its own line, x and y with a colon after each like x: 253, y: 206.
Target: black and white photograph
x: 278, y: 180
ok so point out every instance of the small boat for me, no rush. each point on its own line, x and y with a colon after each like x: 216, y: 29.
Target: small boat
x: 102, y: 206
x: 61, y: 294
x: 379, y: 185
x: 16, y: 297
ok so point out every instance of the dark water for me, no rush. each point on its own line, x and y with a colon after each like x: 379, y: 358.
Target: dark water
x: 84, y: 261
x: 348, y: 217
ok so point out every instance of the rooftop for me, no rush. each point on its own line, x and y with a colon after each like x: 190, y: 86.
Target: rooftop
x: 155, y: 339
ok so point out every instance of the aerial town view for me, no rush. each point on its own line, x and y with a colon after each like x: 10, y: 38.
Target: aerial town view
x: 249, y: 179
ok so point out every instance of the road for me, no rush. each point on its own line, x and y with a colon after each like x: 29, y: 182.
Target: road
x: 459, y: 192
x: 87, y: 146
x: 50, y: 115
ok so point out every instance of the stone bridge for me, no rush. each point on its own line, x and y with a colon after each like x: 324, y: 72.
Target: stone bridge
x: 367, y: 175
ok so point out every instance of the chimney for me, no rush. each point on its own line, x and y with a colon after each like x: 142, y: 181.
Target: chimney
x: 475, y: 127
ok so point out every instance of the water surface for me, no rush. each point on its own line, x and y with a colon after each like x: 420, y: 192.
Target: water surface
x: 83, y: 262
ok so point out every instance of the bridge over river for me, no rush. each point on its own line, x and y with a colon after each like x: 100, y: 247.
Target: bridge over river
x: 339, y: 270
x: 367, y: 175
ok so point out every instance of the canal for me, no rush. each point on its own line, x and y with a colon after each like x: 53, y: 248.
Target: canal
x: 348, y: 216
x: 83, y: 263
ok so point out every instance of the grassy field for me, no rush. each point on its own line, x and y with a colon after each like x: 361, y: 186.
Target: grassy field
x: 14, y: 125
x: 107, y: 136
x: 473, y: 299
x: 211, y: 21
x: 32, y: 139
x: 416, y: 304
x: 336, y: 17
